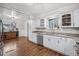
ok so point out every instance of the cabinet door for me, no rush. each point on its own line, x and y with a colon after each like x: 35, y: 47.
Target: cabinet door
x: 62, y: 44
x: 33, y: 38
x: 46, y: 41
x: 67, y: 19
x: 69, y: 49
x: 55, y: 43
x: 76, y: 18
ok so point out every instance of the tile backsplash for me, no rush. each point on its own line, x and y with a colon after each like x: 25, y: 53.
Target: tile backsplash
x: 70, y: 30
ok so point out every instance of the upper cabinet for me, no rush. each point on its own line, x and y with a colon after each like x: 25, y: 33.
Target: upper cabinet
x: 67, y: 20
x: 42, y: 23
x: 76, y: 18
x: 70, y: 19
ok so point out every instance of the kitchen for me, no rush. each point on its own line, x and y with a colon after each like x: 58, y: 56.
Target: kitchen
x: 51, y: 26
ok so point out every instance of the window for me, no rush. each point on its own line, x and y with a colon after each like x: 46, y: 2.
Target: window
x: 53, y: 23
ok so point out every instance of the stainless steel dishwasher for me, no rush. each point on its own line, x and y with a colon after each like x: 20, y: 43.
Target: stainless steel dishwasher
x: 40, y: 39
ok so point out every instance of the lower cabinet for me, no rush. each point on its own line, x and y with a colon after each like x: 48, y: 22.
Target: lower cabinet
x: 33, y: 37
x: 51, y: 42
x: 47, y: 41
x: 55, y: 43
x: 60, y: 44
x: 69, y: 49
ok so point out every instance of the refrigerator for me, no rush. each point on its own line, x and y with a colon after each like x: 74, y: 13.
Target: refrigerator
x: 1, y: 38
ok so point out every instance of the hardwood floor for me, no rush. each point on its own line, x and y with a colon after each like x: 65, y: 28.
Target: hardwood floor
x: 22, y: 47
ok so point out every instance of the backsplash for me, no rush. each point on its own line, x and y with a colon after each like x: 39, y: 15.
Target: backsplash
x: 70, y: 30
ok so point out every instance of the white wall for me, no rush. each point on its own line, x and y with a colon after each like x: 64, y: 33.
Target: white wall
x: 21, y: 23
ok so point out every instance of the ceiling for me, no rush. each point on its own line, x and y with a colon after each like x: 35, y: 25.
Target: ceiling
x: 36, y: 9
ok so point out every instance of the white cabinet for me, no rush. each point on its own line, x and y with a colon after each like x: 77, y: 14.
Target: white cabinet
x: 63, y: 42
x: 54, y: 43
x: 67, y: 19
x: 60, y: 44
x: 33, y: 37
x: 47, y: 41
x: 40, y: 23
x: 76, y: 18
x: 72, y: 20
x: 69, y: 49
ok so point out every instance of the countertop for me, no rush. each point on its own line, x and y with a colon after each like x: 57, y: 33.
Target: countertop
x: 74, y: 36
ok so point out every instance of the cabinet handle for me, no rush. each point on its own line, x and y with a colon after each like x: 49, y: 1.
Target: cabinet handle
x: 48, y: 39
x: 73, y: 24
x: 58, y: 41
